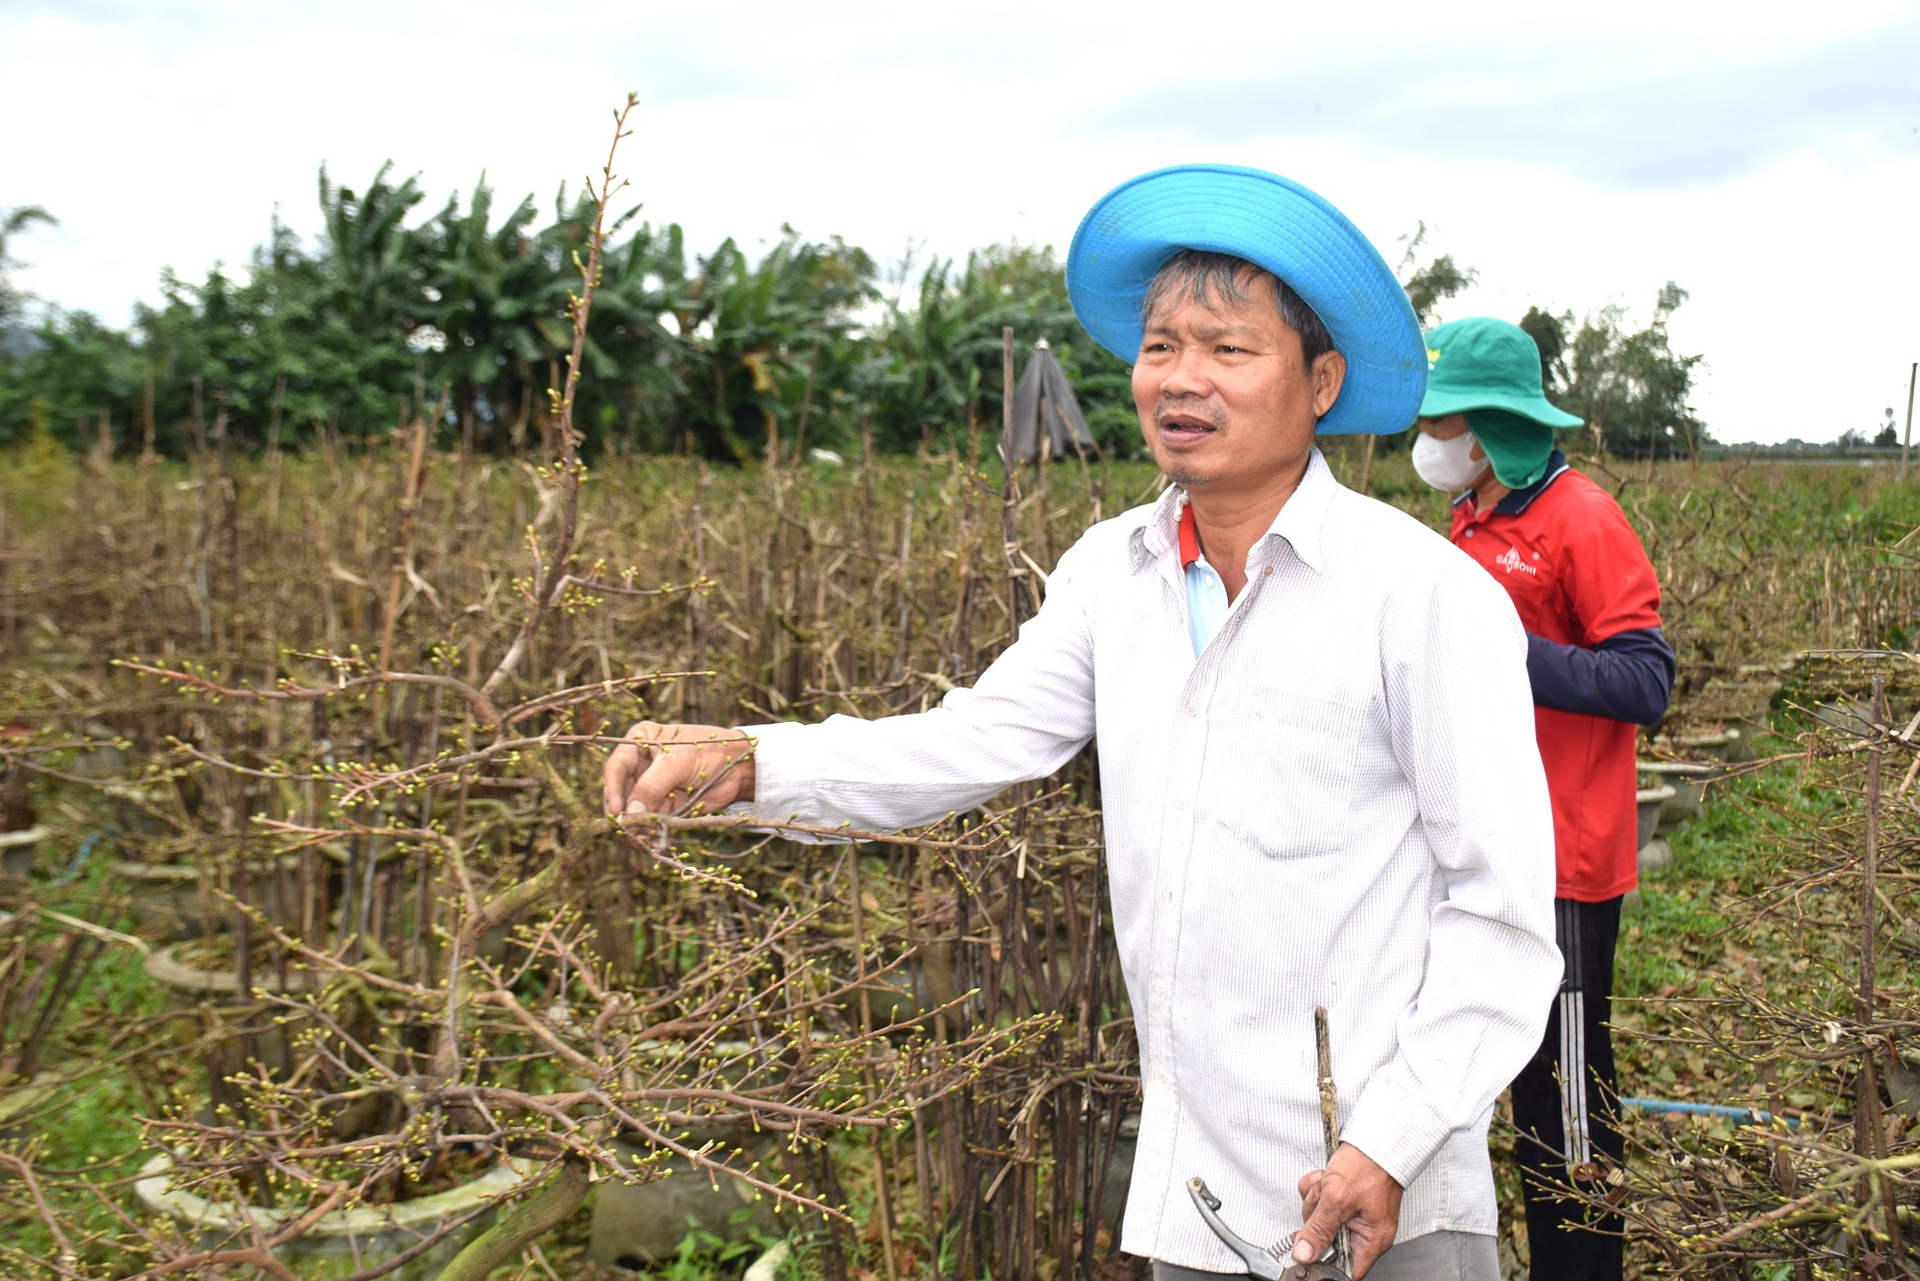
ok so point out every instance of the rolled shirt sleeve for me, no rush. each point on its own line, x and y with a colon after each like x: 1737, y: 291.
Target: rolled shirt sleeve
x: 1462, y: 725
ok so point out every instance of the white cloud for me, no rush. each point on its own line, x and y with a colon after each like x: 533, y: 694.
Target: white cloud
x: 1769, y: 165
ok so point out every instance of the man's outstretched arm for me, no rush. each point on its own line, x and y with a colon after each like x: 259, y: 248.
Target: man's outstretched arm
x: 1026, y: 715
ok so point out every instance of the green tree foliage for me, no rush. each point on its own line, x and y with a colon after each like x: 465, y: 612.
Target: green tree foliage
x: 1889, y: 435
x: 1629, y: 385
x: 938, y: 367
x: 13, y: 223
x: 1434, y: 282
x: 460, y: 315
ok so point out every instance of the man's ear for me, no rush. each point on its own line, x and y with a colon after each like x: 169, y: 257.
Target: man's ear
x: 1329, y: 372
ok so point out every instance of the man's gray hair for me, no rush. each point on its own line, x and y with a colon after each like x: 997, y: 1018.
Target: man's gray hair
x: 1211, y: 279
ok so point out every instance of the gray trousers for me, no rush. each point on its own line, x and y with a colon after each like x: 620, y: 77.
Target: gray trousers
x: 1438, y: 1256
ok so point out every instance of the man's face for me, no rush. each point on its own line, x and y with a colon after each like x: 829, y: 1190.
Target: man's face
x: 1224, y: 398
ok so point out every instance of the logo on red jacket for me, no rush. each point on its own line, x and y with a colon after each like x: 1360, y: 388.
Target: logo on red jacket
x: 1510, y: 561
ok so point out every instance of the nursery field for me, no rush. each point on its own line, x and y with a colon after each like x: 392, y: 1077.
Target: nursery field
x: 322, y: 961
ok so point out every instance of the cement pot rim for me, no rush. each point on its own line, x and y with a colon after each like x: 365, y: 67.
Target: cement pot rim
x: 25, y: 836
x: 163, y: 967
x: 24, y: 1098
x: 1728, y: 735
x: 155, y: 1190
x: 180, y: 873
x: 1680, y: 769
x: 1653, y: 795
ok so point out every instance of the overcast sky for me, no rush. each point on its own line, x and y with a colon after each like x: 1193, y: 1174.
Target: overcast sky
x: 1766, y: 157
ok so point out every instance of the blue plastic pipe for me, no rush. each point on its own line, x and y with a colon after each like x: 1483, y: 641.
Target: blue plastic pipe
x: 1744, y: 1116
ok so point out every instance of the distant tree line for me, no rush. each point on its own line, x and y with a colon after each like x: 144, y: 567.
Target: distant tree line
x: 460, y: 316
x: 1628, y: 385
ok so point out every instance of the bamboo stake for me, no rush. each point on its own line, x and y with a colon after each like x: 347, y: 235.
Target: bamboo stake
x: 1010, y: 493
x: 884, y: 1200
x: 1906, y: 447
x: 401, y: 559
x: 806, y: 405
x: 9, y: 607
x: 1869, y: 1136
x: 147, y: 456
x: 1330, y: 1118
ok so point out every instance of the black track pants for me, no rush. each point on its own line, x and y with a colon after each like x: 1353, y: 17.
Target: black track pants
x: 1564, y: 1104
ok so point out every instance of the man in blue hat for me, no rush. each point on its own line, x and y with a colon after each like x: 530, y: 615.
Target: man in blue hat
x: 1281, y: 675
x: 1600, y: 668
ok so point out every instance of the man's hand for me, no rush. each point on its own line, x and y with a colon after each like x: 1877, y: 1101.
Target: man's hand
x: 663, y: 769
x: 1354, y: 1191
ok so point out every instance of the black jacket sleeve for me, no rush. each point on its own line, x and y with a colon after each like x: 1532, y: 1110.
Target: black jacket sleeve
x: 1627, y: 677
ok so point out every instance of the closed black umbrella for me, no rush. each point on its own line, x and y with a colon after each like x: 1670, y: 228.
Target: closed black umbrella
x: 1044, y: 409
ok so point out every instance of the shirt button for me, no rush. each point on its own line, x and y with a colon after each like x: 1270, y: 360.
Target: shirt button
x: 1266, y: 572
x: 1191, y: 710
x: 1469, y: 533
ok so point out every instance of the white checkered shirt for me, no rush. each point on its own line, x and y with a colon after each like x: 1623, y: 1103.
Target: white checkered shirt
x: 1339, y: 803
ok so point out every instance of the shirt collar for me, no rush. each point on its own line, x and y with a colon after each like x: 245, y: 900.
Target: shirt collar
x: 1519, y: 500
x: 1189, y: 537
x: 1301, y: 523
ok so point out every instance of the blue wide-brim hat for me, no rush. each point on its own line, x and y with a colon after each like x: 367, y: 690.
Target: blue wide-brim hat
x: 1274, y: 223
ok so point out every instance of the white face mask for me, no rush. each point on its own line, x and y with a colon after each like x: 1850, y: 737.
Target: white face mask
x: 1447, y: 464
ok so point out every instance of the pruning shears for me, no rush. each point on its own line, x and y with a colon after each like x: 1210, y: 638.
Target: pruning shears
x: 1269, y: 1263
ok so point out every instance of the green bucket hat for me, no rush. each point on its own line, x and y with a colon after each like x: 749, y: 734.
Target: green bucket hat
x: 1489, y: 370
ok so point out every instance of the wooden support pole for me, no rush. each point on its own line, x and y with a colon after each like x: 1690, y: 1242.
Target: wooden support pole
x: 1906, y: 447
x: 1010, y: 493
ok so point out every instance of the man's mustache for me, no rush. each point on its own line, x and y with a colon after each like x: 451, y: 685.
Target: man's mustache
x: 1189, y: 407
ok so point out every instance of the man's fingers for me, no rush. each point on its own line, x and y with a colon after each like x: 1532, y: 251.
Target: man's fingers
x: 1310, y: 1184
x: 1317, y: 1233
x: 660, y: 768
x: 654, y: 788
x: 625, y: 764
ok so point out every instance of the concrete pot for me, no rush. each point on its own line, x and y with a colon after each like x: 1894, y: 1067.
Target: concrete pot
x: 1701, y: 747
x: 1655, y: 856
x: 136, y: 811
x: 17, y: 1101
x: 226, y: 1028
x: 640, y: 1226
x: 164, y: 966
x: 345, y: 1241
x: 767, y: 1266
x: 1649, y: 802
x: 167, y: 898
x: 17, y: 850
x: 1688, y: 779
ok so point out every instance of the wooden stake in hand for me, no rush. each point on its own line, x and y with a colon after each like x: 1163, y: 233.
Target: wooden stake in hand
x: 1330, y: 1120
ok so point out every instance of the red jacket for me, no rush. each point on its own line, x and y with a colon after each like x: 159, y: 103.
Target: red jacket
x: 1578, y: 576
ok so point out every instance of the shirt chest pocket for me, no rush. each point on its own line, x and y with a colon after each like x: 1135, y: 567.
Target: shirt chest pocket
x: 1293, y: 760
x: 1529, y: 582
